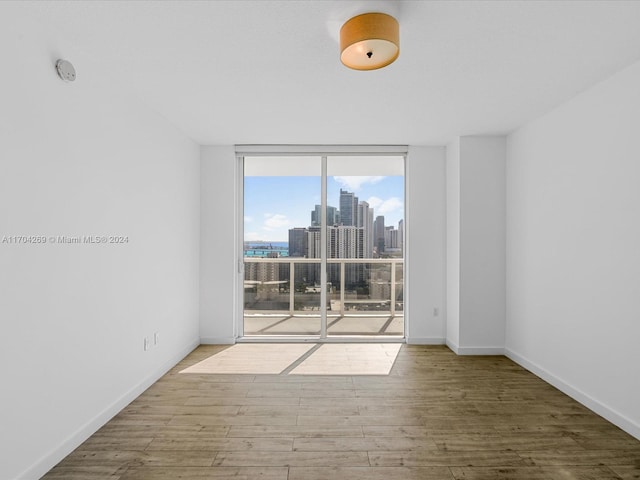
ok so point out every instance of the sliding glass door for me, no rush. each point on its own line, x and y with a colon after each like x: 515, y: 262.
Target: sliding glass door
x: 323, y: 245
x: 365, y: 247
x: 282, y: 284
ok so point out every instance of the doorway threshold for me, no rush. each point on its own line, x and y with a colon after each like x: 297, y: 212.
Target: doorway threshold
x: 315, y: 339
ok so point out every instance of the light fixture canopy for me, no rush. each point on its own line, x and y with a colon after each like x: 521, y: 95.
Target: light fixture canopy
x: 369, y: 41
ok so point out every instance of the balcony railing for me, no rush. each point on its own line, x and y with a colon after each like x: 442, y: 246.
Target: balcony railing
x: 355, y: 286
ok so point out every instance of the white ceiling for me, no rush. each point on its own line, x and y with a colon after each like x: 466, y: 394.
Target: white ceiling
x: 238, y: 72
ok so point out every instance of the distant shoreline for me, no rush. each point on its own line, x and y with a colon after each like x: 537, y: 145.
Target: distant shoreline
x: 262, y: 248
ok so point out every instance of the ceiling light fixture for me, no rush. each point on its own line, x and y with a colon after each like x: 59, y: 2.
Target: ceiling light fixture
x: 369, y: 41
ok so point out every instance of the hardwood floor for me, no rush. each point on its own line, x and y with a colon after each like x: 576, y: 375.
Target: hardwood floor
x: 436, y: 416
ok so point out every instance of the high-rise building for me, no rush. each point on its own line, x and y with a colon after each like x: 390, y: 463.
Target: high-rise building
x: 313, y: 242
x: 378, y: 234
x: 265, y: 278
x: 371, y: 234
x: 351, y: 233
x: 345, y: 242
x: 392, y: 238
x: 348, y: 208
x: 333, y: 216
x: 365, y: 221
x: 312, y: 270
x: 297, y: 242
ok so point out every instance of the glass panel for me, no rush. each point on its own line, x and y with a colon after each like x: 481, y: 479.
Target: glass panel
x: 365, y: 221
x: 365, y: 243
x: 281, y: 287
x: 399, y: 287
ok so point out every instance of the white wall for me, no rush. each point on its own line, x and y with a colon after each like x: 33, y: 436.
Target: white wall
x: 482, y: 243
x: 453, y: 244
x: 425, y: 229
x: 85, y: 159
x: 426, y: 240
x: 476, y: 245
x: 573, y: 255
x: 218, y: 244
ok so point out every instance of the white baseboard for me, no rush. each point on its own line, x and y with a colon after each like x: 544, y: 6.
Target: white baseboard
x: 217, y: 340
x: 52, y: 458
x: 452, y: 346
x: 601, y: 409
x: 458, y: 350
x: 425, y: 341
x: 480, y: 351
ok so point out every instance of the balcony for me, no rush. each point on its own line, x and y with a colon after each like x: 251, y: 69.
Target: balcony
x: 364, y: 297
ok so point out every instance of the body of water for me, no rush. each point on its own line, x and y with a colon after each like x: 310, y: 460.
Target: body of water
x: 263, y: 249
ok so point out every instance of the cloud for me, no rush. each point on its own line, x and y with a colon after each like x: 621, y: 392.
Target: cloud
x: 374, y: 202
x: 382, y: 207
x: 355, y: 182
x: 275, y: 221
x: 248, y: 219
x: 252, y: 236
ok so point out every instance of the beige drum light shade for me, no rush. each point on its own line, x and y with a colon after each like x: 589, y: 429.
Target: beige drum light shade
x: 369, y: 41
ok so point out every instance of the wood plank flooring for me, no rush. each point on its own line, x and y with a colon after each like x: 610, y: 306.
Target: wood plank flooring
x: 436, y: 416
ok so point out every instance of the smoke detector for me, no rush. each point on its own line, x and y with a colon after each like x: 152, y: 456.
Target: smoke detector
x: 65, y: 70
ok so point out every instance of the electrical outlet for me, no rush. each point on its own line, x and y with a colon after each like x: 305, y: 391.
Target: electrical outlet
x: 436, y: 312
x: 146, y: 344
x: 156, y: 338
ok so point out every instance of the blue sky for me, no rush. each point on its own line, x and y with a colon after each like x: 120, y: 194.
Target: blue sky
x: 273, y: 205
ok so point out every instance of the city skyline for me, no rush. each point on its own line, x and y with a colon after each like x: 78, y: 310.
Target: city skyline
x: 268, y: 216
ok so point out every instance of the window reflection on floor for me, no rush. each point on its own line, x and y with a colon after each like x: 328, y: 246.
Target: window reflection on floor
x: 301, y: 359
x: 350, y: 359
x: 251, y: 358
